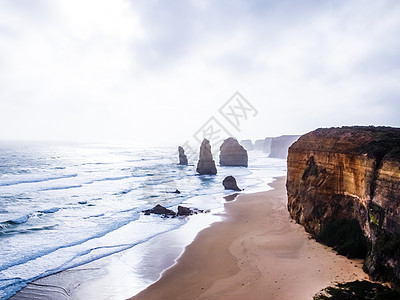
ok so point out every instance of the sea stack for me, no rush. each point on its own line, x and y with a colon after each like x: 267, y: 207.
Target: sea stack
x: 233, y: 154
x: 182, y: 157
x: 206, y: 164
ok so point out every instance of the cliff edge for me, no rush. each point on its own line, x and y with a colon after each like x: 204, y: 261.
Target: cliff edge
x: 343, y: 186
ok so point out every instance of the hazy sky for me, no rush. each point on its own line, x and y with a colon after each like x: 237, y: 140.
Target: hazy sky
x: 153, y: 72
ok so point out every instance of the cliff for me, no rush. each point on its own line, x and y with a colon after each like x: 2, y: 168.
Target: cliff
x: 343, y: 186
x: 267, y: 145
x: 247, y: 144
x: 279, y: 145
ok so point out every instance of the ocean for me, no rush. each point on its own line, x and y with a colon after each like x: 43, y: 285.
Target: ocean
x: 62, y: 206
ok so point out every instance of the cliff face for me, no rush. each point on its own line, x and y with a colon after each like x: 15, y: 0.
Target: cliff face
x: 350, y: 174
x: 279, y: 145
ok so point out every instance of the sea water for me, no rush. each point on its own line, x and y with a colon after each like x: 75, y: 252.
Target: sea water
x: 62, y: 206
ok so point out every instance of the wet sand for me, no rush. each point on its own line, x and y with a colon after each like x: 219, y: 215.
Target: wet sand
x: 256, y: 252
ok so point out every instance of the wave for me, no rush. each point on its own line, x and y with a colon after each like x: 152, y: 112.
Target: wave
x: 35, y: 180
x: 66, y: 187
x: 50, y: 251
x: 13, y: 231
x: 25, y: 218
x: 108, y: 179
x: 50, y: 210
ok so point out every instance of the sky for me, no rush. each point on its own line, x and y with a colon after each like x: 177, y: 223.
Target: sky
x: 153, y: 72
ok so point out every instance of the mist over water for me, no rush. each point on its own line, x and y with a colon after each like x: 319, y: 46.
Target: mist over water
x: 63, y: 206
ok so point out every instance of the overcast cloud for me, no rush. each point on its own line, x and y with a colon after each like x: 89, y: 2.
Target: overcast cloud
x: 152, y: 72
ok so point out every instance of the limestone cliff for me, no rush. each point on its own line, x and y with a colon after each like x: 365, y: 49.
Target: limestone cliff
x: 279, y: 145
x: 247, y: 144
x: 341, y: 180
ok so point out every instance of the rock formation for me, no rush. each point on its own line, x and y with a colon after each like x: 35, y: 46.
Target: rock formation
x: 229, y: 183
x: 206, y: 164
x: 232, y: 154
x: 267, y: 145
x: 343, y: 186
x: 280, y: 145
x: 184, y: 211
x: 160, y: 210
x: 247, y: 144
x: 182, y: 157
x: 165, y: 212
x: 259, y: 145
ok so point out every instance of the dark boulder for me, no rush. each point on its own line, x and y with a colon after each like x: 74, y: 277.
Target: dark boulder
x: 160, y: 210
x: 184, y: 211
x: 229, y: 183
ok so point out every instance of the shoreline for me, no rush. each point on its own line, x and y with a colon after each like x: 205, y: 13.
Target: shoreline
x: 255, y: 252
x: 119, y: 275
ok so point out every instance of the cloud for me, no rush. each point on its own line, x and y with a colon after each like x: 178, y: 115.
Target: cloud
x: 145, y: 69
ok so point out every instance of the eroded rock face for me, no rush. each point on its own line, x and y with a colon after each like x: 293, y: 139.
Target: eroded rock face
x: 206, y: 164
x: 350, y: 173
x: 229, y: 183
x: 232, y: 154
x: 182, y: 157
x: 279, y: 145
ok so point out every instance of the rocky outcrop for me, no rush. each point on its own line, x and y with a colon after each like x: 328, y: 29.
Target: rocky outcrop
x: 182, y: 157
x: 247, y: 144
x: 206, y: 164
x: 165, y: 212
x: 280, y: 145
x: 160, y: 210
x: 232, y: 154
x: 229, y: 183
x: 343, y: 185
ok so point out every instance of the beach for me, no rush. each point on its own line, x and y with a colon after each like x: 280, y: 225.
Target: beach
x: 255, y: 252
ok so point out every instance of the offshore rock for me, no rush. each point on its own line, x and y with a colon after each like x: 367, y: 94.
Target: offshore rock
x: 347, y: 180
x: 279, y: 145
x: 232, y: 154
x: 184, y: 211
x: 206, y: 164
x: 160, y: 210
x: 182, y: 157
x: 229, y: 183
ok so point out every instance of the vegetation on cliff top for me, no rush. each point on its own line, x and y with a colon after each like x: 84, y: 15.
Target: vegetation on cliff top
x: 357, y: 290
x: 374, y: 141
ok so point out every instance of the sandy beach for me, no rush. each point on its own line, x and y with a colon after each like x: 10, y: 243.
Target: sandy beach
x: 256, y: 252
